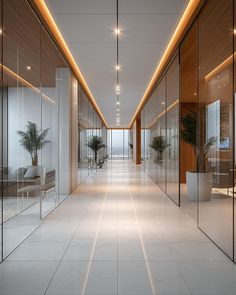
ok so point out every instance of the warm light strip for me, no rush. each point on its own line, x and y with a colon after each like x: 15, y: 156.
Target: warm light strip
x: 163, y: 113
x: 52, y: 25
x: 220, y: 67
x: 190, y: 9
x: 143, y: 246
x: 15, y: 76
x: 118, y: 128
x: 94, y: 245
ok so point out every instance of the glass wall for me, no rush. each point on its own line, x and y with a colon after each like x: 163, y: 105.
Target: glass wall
x: 83, y: 120
x: 3, y: 166
x: 36, y: 83
x: 188, y: 105
x: 22, y: 109
x: 89, y: 125
x: 38, y: 95
x: 161, y: 132
x: 205, y: 111
x: 172, y: 130
x: 215, y: 142
x: 119, y: 143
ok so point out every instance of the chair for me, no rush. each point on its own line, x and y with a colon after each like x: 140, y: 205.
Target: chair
x: 46, y: 183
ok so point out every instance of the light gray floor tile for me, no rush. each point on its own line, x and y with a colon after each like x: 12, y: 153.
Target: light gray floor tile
x: 209, y: 277
x: 133, y: 278
x: 69, y: 279
x: 25, y: 278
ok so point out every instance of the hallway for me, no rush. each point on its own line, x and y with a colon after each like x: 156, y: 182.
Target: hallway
x: 117, y: 234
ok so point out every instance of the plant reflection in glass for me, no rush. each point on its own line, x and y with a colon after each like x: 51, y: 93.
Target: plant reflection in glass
x: 159, y: 144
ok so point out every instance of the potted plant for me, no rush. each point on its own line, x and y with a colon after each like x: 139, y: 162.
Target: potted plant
x: 95, y: 143
x: 159, y: 144
x: 201, y: 179
x: 33, y: 140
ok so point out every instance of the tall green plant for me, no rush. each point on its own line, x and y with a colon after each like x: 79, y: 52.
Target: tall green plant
x: 159, y: 144
x: 33, y: 140
x: 95, y: 143
x: 189, y: 131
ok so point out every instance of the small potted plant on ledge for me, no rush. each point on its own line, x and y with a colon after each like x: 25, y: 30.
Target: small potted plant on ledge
x: 95, y: 143
x: 199, y: 183
x: 159, y: 144
x: 33, y: 140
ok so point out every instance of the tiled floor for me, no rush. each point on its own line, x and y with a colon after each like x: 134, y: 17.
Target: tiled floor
x: 117, y: 234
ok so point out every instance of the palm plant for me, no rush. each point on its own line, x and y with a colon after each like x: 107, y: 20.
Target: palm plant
x: 33, y: 140
x: 95, y: 143
x: 189, y: 131
x: 159, y: 144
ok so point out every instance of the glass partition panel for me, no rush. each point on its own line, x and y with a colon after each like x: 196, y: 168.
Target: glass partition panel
x: 82, y: 130
x: 2, y: 142
x: 161, y: 162
x: 234, y: 113
x: 150, y: 151
x: 109, y: 143
x: 50, y: 65
x: 172, y: 131
x: 188, y: 104
x: 215, y: 163
x: 161, y: 133
x: 143, y: 148
x: 126, y: 144
x: 22, y: 111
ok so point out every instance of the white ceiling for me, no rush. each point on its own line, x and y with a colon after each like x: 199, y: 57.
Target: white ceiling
x: 88, y: 28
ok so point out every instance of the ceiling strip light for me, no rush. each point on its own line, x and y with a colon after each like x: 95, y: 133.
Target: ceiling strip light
x: 117, y: 66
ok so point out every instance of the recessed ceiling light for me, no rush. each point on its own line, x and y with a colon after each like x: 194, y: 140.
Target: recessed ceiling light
x: 117, y: 67
x: 163, y: 103
x: 28, y: 68
x: 117, y: 102
x: 234, y: 31
x: 117, y: 31
x: 0, y: 31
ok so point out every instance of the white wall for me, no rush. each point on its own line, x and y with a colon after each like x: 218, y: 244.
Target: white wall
x: 64, y: 82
